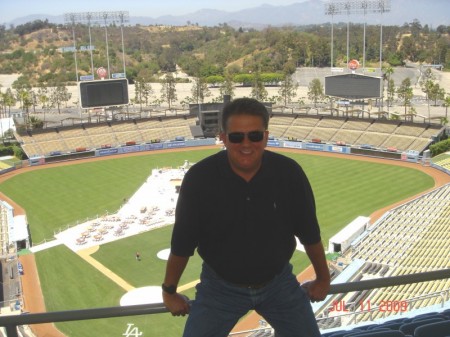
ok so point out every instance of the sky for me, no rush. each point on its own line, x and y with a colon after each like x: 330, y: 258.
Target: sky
x: 12, y: 9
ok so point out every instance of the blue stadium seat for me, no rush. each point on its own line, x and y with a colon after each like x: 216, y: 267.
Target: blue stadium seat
x: 344, y: 332
x: 408, y: 328
x: 432, y: 315
x: 381, y: 328
x: 369, y: 327
x: 446, y: 313
x: 390, y: 325
x: 327, y: 334
x: 437, y: 329
x: 383, y: 333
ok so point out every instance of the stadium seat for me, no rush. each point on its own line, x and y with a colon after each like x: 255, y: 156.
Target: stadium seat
x: 408, y: 328
x: 437, y: 329
x: 384, y: 333
x: 343, y: 333
x: 369, y: 327
x: 428, y: 316
x: 446, y: 313
x: 389, y: 325
x: 381, y: 328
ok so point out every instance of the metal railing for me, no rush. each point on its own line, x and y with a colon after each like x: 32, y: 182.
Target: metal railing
x: 13, y: 321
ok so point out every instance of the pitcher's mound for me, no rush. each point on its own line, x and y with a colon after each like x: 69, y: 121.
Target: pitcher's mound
x: 144, y: 295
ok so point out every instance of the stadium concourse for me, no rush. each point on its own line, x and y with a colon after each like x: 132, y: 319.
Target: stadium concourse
x: 34, y: 299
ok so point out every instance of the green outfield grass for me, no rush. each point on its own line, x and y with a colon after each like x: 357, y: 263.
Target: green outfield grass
x: 58, y: 196
x: 61, y: 196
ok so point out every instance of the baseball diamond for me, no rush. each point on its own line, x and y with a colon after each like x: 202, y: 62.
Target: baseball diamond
x: 35, y: 302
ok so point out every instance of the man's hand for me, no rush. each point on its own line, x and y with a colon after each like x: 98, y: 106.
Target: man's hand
x: 177, y: 304
x: 317, y: 290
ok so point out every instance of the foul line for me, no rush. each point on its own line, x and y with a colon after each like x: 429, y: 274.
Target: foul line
x: 86, y: 255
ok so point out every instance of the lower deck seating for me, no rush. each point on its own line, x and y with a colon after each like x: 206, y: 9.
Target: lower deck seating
x: 432, y: 324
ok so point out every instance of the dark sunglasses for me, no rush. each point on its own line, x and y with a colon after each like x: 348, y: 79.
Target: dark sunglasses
x: 253, y: 136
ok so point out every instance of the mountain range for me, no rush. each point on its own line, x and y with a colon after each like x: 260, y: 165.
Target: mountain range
x: 432, y: 13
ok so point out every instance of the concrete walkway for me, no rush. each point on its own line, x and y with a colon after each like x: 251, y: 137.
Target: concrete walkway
x: 46, y: 245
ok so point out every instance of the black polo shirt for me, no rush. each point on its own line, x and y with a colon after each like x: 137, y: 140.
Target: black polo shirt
x: 244, y: 230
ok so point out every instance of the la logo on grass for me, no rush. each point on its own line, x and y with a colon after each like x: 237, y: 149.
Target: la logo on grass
x: 132, y: 331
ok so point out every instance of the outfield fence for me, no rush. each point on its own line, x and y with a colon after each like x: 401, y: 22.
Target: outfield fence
x: 409, y: 156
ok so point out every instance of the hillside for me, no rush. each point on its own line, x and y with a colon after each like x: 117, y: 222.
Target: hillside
x: 43, y: 52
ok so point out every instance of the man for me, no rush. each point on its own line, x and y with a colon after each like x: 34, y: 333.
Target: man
x: 242, y: 209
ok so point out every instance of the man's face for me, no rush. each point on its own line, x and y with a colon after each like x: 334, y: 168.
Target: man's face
x: 245, y: 156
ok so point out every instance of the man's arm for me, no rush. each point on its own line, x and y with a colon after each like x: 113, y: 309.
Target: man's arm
x: 175, y: 303
x: 318, y: 289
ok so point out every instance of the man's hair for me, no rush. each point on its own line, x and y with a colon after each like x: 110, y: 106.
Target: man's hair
x: 245, y: 106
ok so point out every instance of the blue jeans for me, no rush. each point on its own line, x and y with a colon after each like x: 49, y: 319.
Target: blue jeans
x: 219, y: 305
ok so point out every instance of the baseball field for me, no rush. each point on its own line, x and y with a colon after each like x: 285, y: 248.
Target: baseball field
x: 56, y: 196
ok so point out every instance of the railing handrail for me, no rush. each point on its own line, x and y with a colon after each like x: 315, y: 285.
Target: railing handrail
x: 366, y: 308
x: 10, y: 322
x: 389, y: 281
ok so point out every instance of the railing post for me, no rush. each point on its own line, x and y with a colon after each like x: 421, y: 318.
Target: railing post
x: 11, y: 331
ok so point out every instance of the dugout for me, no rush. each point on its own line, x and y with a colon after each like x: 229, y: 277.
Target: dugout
x: 343, y: 239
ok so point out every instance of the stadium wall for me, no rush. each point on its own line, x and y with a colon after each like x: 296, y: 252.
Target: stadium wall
x: 440, y: 168
x: 58, y: 157
x: 409, y: 156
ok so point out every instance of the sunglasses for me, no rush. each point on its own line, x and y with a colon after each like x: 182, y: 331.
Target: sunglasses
x: 253, y: 136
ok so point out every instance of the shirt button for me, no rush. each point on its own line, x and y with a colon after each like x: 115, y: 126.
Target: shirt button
x: 248, y: 198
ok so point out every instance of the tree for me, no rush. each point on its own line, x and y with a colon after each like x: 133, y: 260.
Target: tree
x: 427, y: 84
x: 405, y: 92
x: 44, y: 99
x: 23, y: 95
x: 446, y: 104
x: 288, y: 89
x: 36, y: 123
x: 387, y: 72
x: 227, y: 86
x: 259, y: 91
x: 437, y: 93
x: 42, y: 96
x: 427, y: 88
x: 390, y: 92
x: 315, y: 91
x: 59, y: 95
x: 200, y: 90
x: 8, y: 100
x: 168, y: 90
x: 142, y: 91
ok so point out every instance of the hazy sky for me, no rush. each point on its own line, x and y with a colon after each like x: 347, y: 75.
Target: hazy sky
x: 12, y: 9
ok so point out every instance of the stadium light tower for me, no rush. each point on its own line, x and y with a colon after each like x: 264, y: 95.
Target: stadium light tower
x: 331, y: 10
x: 337, y: 7
x: 88, y: 17
x: 99, y: 18
x: 71, y: 19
